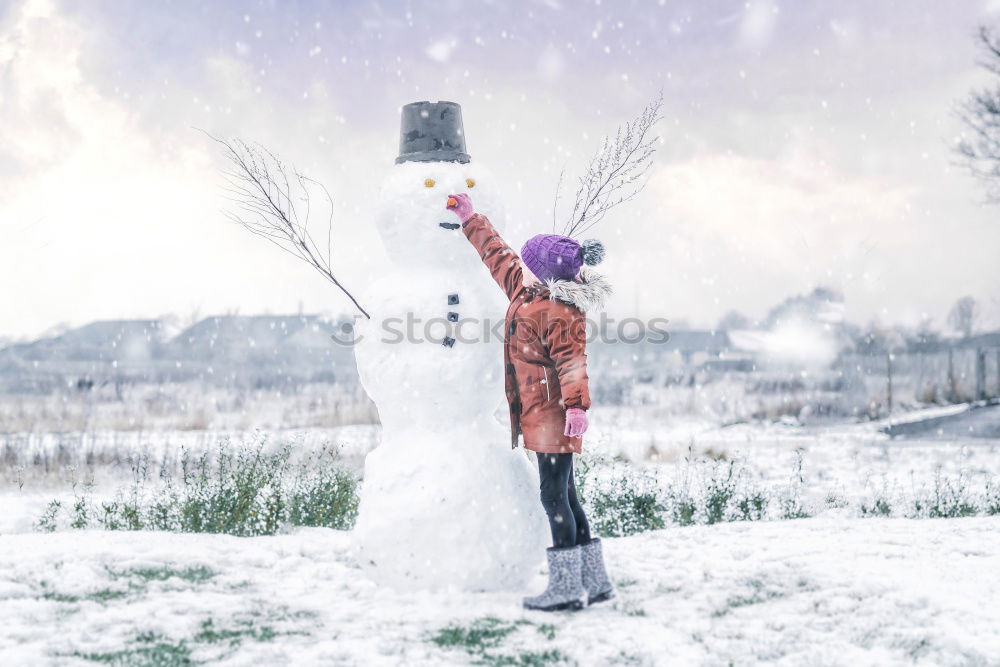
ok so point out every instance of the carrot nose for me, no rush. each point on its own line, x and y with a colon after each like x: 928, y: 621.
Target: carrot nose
x: 452, y: 202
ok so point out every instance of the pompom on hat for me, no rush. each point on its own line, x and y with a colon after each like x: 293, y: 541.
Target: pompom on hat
x: 555, y: 257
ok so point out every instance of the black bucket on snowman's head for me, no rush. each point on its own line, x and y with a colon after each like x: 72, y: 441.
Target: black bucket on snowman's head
x: 432, y: 132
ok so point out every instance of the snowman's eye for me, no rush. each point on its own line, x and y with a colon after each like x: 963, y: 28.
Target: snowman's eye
x: 471, y: 182
x: 429, y: 183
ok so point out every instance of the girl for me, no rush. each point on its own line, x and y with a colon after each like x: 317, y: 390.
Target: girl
x: 546, y: 385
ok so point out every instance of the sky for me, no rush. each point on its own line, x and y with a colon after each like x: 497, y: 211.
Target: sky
x: 802, y: 144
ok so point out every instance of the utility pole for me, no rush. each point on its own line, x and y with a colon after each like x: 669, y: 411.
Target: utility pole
x: 888, y: 375
x: 952, y: 390
x: 980, y: 373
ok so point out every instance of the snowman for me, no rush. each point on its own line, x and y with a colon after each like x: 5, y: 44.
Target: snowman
x: 446, y: 502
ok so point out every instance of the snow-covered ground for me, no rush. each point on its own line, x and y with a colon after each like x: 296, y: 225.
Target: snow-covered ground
x: 807, y: 592
x: 839, y: 459
x: 834, y: 589
x: 840, y: 463
x: 847, y: 453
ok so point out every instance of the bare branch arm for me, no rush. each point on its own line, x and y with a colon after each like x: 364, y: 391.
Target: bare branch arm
x: 269, y: 203
x: 617, y: 171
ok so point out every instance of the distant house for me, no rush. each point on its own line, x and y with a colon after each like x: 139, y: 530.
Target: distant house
x: 697, y: 346
x: 279, y: 350
x: 252, y: 336
x: 246, y: 350
x: 685, y: 351
x: 983, y: 340
x: 112, y: 340
x: 79, y: 357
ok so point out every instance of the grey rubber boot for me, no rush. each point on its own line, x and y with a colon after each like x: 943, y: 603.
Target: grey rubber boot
x: 565, y: 590
x: 595, y: 577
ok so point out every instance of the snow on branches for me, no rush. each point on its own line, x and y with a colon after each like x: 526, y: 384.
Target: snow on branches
x: 274, y: 201
x: 616, y: 173
x: 980, y: 113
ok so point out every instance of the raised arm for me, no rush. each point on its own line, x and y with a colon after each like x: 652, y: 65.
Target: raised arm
x: 501, y: 260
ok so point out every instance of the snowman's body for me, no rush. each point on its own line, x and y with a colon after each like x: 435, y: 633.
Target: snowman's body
x: 445, y: 501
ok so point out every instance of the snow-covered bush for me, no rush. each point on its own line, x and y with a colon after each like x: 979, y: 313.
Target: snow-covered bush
x: 791, y: 498
x: 877, y: 502
x: 244, y: 491
x: 729, y: 495
x: 877, y: 506
x: 623, y: 499
x: 707, y: 491
x: 323, y: 495
x: 948, y: 499
x: 992, y: 498
x: 620, y: 499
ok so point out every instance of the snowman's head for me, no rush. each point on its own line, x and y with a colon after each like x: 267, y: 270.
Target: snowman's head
x: 412, y: 207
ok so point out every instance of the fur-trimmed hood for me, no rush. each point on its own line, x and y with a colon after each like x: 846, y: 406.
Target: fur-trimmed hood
x: 588, y: 292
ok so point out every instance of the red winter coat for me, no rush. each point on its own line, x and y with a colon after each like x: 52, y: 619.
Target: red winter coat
x: 545, y: 338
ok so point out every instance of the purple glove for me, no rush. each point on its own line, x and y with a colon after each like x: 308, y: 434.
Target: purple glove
x: 462, y: 206
x: 576, y: 422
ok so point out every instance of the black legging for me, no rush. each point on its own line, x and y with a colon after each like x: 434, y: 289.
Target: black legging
x: 567, y: 520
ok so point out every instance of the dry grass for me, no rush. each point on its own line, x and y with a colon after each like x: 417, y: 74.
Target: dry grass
x: 186, y: 407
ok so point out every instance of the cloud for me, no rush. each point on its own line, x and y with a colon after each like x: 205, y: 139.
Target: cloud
x: 96, y: 203
x: 758, y: 22
x: 551, y: 63
x: 776, y: 210
x: 441, y: 50
x: 111, y: 206
x: 846, y: 31
x: 36, y: 88
x: 745, y: 231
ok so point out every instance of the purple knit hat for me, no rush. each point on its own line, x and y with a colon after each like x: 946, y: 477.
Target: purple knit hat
x: 554, y: 257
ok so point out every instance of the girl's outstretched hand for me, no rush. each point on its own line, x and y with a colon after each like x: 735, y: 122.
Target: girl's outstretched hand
x: 576, y: 422
x: 461, y: 205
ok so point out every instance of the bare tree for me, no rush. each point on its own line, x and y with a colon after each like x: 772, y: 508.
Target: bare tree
x: 962, y: 316
x: 615, y: 174
x: 274, y: 201
x: 980, y: 112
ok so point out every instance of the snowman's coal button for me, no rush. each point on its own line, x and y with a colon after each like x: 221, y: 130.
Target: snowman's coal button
x: 453, y: 316
x: 452, y: 299
x: 448, y: 341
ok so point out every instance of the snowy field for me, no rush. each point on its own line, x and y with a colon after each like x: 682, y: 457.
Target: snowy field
x: 833, y: 589
x: 807, y: 592
x: 838, y: 463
